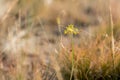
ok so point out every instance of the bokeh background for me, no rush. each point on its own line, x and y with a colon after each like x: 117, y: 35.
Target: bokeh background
x: 33, y: 45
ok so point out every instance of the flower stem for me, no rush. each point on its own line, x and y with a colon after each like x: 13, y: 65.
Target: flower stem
x: 72, y: 45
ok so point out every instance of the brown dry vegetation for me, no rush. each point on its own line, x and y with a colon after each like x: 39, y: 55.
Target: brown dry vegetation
x: 33, y: 45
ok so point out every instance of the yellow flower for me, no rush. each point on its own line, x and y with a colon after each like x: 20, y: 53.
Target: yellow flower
x: 71, y: 30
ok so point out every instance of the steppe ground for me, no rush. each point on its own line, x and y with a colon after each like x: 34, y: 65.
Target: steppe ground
x: 34, y: 46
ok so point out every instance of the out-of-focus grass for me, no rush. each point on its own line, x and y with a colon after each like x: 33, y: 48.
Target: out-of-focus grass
x: 21, y: 56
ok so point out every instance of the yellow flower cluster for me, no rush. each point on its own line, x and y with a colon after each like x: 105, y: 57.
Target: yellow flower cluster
x: 70, y: 29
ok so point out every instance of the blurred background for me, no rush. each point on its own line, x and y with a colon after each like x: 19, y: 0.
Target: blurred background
x: 33, y: 30
x: 82, y: 13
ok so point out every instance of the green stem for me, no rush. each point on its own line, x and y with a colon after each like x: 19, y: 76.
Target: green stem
x: 72, y: 45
